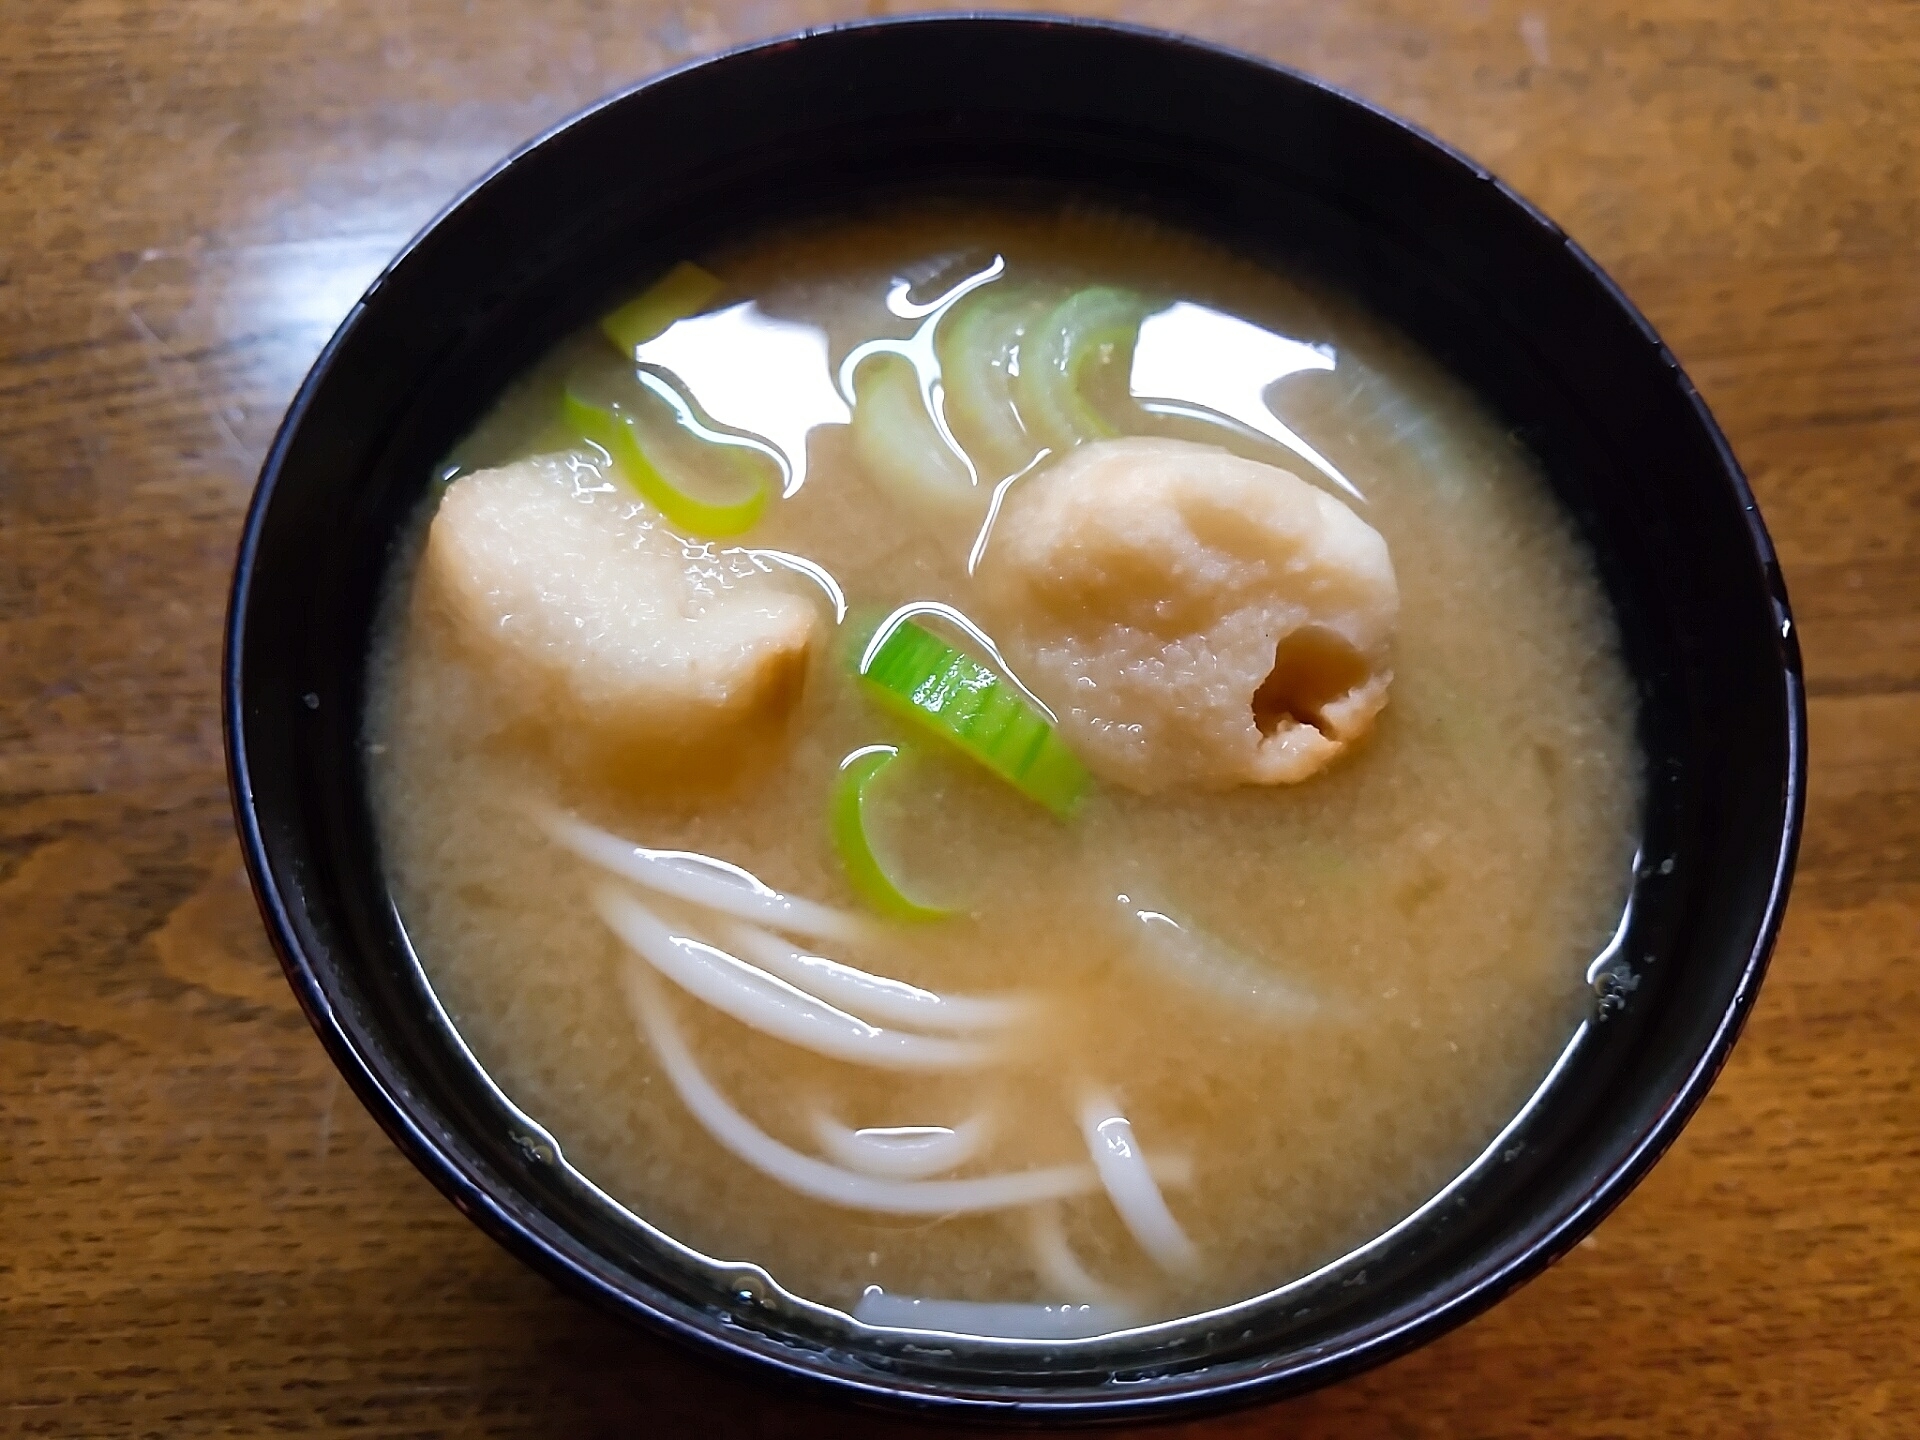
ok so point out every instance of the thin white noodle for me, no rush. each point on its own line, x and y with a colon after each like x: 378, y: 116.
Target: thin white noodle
x: 906, y: 1153
x: 999, y: 1320
x: 699, y: 880
x: 817, y: 1179
x: 772, y: 1006
x: 875, y: 996
x: 1130, y: 1185
x: 1059, y: 1268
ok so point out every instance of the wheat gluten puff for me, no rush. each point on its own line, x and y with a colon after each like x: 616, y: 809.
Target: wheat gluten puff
x: 587, y: 614
x: 1193, y: 617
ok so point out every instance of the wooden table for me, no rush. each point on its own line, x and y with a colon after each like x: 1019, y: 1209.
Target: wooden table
x: 199, y: 1228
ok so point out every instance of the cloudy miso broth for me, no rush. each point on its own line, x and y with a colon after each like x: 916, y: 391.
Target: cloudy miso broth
x: 993, y: 758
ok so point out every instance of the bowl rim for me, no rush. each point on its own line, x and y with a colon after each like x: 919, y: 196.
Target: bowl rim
x: 1336, y: 1361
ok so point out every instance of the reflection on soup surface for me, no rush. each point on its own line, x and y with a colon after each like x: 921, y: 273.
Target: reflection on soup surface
x: 1020, y: 772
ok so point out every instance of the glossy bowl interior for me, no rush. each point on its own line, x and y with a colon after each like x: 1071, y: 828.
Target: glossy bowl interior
x: 1287, y: 171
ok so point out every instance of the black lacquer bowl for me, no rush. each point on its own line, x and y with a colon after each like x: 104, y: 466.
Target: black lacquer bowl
x: 1281, y: 168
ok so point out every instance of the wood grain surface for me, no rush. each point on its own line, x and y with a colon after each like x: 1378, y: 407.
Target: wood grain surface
x: 201, y: 1231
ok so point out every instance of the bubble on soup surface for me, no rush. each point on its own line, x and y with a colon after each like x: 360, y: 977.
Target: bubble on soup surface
x: 1192, y: 616
x: 586, y: 616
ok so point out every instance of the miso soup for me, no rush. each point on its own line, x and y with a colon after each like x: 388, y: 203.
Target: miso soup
x: 1016, y: 771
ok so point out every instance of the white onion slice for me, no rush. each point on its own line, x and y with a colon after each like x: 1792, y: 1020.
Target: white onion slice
x: 1130, y: 1185
x: 772, y: 1006
x: 817, y: 1179
x: 907, y: 1152
x: 1059, y: 1268
x: 900, y: 441
x: 1190, y: 955
x: 870, y: 995
x: 701, y: 880
x: 998, y: 1320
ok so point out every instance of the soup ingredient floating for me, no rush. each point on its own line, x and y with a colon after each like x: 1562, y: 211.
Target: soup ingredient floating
x: 764, y: 1002
x: 1093, y: 327
x: 1202, y: 964
x: 898, y: 439
x: 582, y: 613
x: 615, y: 418
x: 764, y: 380
x: 948, y: 694
x: 1002, y: 374
x: 684, y: 290
x: 995, y: 378
x: 686, y: 501
x: 900, y: 429
x: 978, y: 352
x: 755, y: 375
x: 905, y: 1152
x: 1194, y: 618
x: 847, y: 818
x: 831, y: 1009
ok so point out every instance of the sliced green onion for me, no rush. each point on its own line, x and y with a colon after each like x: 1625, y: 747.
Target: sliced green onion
x: 898, y: 442
x: 977, y: 345
x: 847, y: 817
x: 684, y: 290
x: 948, y: 693
x: 613, y: 428
x: 1091, y: 327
